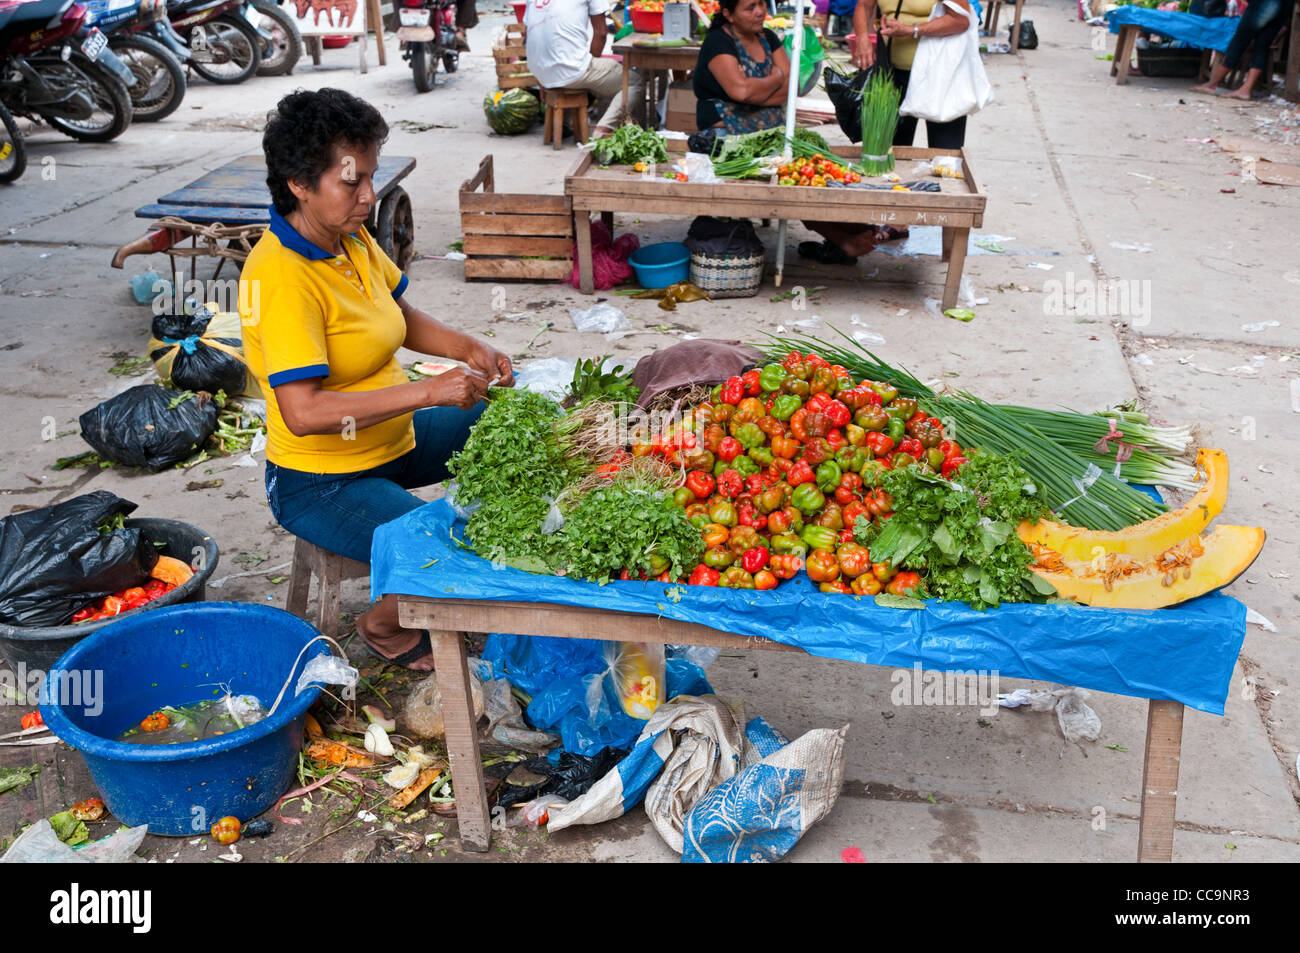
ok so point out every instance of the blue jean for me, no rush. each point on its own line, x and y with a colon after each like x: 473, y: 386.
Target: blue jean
x: 1258, y: 28
x: 340, y: 511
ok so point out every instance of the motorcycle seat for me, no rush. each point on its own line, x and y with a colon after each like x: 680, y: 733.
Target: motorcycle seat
x: 27, y: 17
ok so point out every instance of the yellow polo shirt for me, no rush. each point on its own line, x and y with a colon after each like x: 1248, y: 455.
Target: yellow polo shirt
x: 308, y: 313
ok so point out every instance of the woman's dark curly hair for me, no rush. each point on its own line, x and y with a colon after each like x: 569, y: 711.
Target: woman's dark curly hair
x: 302, y: 130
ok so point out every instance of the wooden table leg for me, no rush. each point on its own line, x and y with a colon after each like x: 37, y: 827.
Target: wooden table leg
x: 1015, y: 30
x: 582, y: 232
x: 946, y: 246
x: 956, y: 245
x: 1160, y: 781
x: 1124, y: 52
x: 462, y: 740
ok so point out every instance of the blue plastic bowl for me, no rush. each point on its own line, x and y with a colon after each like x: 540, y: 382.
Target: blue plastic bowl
x: 661, y: 265
x: 108, y: 682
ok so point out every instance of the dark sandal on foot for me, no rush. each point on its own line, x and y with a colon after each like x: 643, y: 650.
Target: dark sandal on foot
x: 421, y: 649
x: 826, y: 253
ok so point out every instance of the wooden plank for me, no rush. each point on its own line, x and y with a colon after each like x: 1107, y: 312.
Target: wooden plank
x: 1164, y: 745
x: 462, y: 740
x: 864, y: 214
x: 513, y: 52
x: 517, y: 246
x: 518, y: 268
x: 517, y: 203
x: 483, y: 177
x: 582, y: 230
x: 503, y: 224
x: 583, y: 622
x: 956, y: 260
x: 518, y: 81
x: 208, y: 214
x: 242, y: 183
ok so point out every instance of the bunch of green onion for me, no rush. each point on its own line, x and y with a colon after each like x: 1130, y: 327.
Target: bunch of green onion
x: 1056, y: 448
x: 879, y: 117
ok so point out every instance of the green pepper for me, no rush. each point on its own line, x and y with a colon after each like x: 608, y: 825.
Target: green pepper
x: 745, y: 466
x: 901, y: 460
x: 934, y: 457
x: 762, y: 456
x: 723, y: 513
x: 721, y: 465
x: 715, y: 395
x: 682, y: 497
x: 871, y: 418
x: 823, y: 381
x: 807, y: 498
x: 896, y: 429
x: 906, y: 406
x: 718, y: 558
x: 796, y: 386
x: 828, y: 477
x: 700, y: 520
x: 887, y: 392
x: 851, y: 458
x: 783, y: 407
x: 819, y: 537
x: 789, y: 544
x: 750, y: 435
x: 771, y: 377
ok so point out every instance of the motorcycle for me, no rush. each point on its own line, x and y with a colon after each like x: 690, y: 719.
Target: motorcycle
x: 225, y: 48
x: 135, y: 35
x: 54, y: 67
x: 426, y: 32
x: 13, y: 151
x: 282, y: 45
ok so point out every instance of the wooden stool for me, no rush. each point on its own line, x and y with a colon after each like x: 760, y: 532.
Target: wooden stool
x: 330, y: 569
x: 557, y: 101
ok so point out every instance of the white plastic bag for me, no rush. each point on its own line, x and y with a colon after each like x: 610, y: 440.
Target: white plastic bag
x: 948, y: 79
x: 697, y: 166
x: 601, y: 317
x: 326, y: 670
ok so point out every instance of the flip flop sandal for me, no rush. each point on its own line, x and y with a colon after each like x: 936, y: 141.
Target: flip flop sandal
x: 826, y: 253
x: 414, y: 654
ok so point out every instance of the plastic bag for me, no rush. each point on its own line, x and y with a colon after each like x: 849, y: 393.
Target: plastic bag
x: 40, y: 845
x: 948, y: 79
x: 54, y: 561
x: 200, y: 351
x: 568, y: 777
x: 698, y: 168
x: 148, y: 285
x: 1028, y: 35
x: 326, y: 670
x: 424, y: 707
x: 549, y: 377
x: 945, y: 167
x: 601, y: 317
x: 638, y: 670
x: 810, y: 58
x: 845, y: 93
x: 141, y: 428
x: 701, y: 655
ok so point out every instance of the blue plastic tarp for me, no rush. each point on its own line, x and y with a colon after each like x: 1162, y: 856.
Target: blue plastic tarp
x: 1184, y: 654
x: 1206, y: 33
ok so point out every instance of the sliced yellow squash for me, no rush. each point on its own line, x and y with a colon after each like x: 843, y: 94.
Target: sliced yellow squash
x: 1189, y: 568
x: 1144, y: 540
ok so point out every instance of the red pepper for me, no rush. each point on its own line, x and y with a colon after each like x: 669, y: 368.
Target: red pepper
x: 846, y: 536
x: 748, y: 515
x: 910, y: 445
x: 797, y: 429
x: 32, y: 719
x: 750, y: 380
x: 755, y: 483
x: 729, y: 484
x: 700, y: 483
x: 764, y: 579
x: 950, y: 448
x: 733, y: 389
x: 703, y: 576
x: 836, y: 439
x: 838, y: 412
x: 801, y: 472
x: 904, y: 584
x: 754, y: 559
x: 786, y: 566
x: 951, y: 465
x: 729, y: 448
x: 817, y: 402
x: 879, y: 443
x: 847, y: 491
x: 852, y: 511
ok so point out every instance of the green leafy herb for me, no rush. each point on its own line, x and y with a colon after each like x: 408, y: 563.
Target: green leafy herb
x: 961, y: 534
x: 629, y: 144
x: 622, y: 527
x: 12, y: 778
x: 591, y: 382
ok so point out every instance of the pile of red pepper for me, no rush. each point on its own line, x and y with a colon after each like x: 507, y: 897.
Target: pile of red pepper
x: 124, y: 601
x: 785, y: 464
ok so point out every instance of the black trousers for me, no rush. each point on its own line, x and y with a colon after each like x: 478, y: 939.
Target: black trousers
x: 939, y: 135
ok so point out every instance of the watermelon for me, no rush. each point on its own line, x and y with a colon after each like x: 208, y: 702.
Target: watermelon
x: 511, y: 111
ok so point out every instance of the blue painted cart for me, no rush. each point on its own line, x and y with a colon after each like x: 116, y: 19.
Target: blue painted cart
x: 225, y: 211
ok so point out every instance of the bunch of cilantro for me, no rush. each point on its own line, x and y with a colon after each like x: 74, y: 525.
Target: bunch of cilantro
x: 625, y: 527
x: 961, y: 535
x: 511, y: 467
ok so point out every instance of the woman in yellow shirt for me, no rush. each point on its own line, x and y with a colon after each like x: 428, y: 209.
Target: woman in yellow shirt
x: 348, y: 436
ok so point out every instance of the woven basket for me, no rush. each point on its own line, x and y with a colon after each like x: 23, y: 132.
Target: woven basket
x: 729, y: 276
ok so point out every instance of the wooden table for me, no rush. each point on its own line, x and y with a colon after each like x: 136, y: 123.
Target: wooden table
x: 957, y: 208
x: 653, y: 63
x: 447, y: 619
x: 991, y: 21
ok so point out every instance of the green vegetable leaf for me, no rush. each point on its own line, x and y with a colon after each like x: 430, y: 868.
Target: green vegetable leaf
x: 890, y: 601
x: 68, y: 829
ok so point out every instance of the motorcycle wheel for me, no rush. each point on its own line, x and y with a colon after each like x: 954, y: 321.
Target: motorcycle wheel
x: 160, y: 78
x: 110, y: 97
x: 13, y: 151
x: 280, y: 55
x: 236, y: 46
x: 450, y: 61
x: 424, y: 69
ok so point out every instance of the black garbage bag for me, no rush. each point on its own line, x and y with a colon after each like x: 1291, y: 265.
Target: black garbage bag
x: 570, y: 778
x: 705, y: 141
x: 56, y: 560
x: 846, y: 96
x: 1028, y: 35
x: 722, y: 237
x: 150, y: 426
x: 200, y: 351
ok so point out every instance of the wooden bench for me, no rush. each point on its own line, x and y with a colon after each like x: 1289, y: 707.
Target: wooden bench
x: 556, y: 103
x: 330, y: 569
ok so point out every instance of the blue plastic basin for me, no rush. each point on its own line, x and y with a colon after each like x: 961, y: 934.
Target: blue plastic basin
x: 108, y: 682
x: 661, y: 265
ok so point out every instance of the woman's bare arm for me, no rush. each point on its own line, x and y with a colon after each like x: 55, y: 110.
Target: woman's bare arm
x: 741, y: 88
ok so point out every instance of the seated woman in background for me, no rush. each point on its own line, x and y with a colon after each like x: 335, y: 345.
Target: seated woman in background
x: 741, y: 75
x: 1256, y: 30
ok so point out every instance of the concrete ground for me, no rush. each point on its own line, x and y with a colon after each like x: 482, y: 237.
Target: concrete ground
x: 1099, y: 182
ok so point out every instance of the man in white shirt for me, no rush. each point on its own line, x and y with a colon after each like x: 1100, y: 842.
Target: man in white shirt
x: 565, y: 42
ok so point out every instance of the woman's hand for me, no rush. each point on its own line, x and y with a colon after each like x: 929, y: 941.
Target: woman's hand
x: 892, y: 27
x: 460, y: 387
x: 491, y: 363
x: 864, y: 55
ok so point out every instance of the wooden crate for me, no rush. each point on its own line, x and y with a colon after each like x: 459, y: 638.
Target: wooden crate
x: 512, y: 60
x: 500, y: 229
x: 681, y: 108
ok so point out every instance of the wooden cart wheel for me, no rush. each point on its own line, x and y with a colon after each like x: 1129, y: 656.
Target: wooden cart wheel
x: 395, y: 228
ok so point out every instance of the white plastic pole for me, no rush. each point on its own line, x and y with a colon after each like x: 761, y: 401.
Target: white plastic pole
x: 792, y: 94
